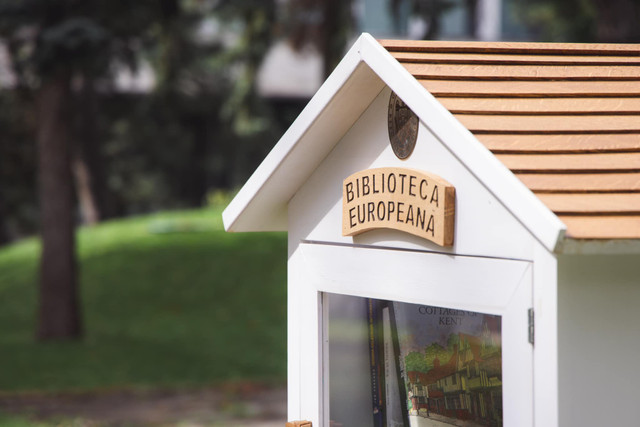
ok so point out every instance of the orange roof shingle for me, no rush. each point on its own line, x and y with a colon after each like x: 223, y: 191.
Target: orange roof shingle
x: 565, y: 118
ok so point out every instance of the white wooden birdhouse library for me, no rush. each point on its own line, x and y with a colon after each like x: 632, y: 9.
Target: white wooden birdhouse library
x: 464, y: 225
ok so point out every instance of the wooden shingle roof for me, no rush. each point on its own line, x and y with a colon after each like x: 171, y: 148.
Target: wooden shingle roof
x: 565, y: 118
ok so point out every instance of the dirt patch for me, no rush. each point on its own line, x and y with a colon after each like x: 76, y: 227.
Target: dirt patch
x: 237, y: 405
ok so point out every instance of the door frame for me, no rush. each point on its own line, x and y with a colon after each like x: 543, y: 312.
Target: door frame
x: 482, y: 284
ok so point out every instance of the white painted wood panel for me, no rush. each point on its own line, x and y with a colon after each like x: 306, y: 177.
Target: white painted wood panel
x: 483, y: 225
x: 598, y: 340
x: 545, y: 359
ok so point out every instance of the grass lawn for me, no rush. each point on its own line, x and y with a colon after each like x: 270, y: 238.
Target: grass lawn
x: 17, y: 421
x: 169, y: 300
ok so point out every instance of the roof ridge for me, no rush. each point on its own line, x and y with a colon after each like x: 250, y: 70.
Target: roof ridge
x: 531, y: 48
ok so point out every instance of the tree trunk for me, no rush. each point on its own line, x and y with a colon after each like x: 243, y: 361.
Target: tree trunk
x: 4, y: 233
x: 472, y: 18
x: 59, y: 311
x: 336, y: 16
x: 193, y: 181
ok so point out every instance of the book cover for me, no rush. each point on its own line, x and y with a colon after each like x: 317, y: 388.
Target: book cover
x: 451, y: 364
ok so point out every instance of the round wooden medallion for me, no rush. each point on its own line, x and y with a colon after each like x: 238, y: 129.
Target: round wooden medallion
x: 403, y: 127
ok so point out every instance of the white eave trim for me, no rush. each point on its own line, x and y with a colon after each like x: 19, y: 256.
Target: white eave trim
x: 543, y: 224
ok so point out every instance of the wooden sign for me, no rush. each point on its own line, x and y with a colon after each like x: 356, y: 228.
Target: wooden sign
x: 402, y: 199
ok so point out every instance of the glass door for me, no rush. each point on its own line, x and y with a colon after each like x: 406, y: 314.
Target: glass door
x: 412, y: 364
x: 409, y: 338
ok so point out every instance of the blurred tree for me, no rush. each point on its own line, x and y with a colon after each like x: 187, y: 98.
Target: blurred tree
x: 256, y: 24
x: 551, y: 20
x: 431, y: 11
x: 617, y: 21
x: 201, y: 126
x: 324, y: 24
x: 59, y: 47
x: 17, y: 168
x: 253, y: 22
x: 46, y: 50
x: 66, y: 54
x: 604, y: 21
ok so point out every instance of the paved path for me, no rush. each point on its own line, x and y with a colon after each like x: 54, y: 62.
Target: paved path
x: 236, y: 406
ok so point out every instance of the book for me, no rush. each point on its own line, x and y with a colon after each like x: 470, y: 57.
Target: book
x: 374, y: 332
x: 396, y: 414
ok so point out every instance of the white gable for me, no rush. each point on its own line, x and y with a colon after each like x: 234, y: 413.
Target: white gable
x: 366, y: 70
x: 483, y: 226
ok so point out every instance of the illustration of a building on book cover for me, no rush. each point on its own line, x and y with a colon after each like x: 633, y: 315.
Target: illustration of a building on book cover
x: 448, y: 364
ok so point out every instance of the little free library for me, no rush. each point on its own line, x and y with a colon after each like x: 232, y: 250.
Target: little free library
x: 463, y: 222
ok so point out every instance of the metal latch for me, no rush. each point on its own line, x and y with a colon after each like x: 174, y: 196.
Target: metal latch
x: 532, y: 326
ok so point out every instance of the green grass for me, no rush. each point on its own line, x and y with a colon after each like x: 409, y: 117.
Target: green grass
x: 19, y: 421
x: 169, y: 300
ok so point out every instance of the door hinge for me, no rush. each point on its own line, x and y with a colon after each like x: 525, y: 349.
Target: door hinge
x: 532, y: 326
